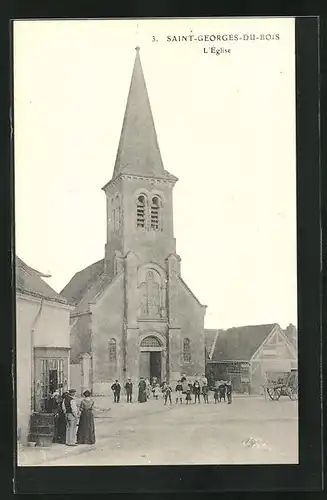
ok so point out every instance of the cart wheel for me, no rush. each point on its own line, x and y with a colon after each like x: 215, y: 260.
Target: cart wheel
x: 274, y: 393
x: 292, y: 393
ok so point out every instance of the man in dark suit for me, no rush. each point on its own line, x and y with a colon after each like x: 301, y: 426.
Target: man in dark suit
x: 116, y: 390
x: 129, y: 390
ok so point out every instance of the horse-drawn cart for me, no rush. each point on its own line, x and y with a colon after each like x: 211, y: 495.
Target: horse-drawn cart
x: 283, y: 386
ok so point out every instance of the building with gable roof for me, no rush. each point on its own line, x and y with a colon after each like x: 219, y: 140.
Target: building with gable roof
x: 249, y: 355
x: 134, y: 315
x: 42, y: 344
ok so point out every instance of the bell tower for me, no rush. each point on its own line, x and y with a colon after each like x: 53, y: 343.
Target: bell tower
x: 145, y: 320
x: 140, y: 192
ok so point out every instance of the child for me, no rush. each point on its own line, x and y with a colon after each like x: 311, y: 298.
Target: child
x: 196, y: 391
x: 229, y: 391
x: 148, y: 388
x: 205, y: 392
x: 215, y: 394
x: 188, y: 394
x: 222, y: 391
x: 168, y: 391
x: 163, y: 388
x: 156, y: 391
x: 179, y: 391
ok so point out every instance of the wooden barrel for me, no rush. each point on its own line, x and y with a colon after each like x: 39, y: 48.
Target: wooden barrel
x: 42, y: 429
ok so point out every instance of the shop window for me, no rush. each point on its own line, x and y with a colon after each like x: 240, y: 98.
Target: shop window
x: 51, y: 380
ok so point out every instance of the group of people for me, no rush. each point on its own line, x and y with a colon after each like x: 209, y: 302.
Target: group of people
x: 73, y: 424
x: 184, y: 390
x: 144, y: 390
x: 195, y: 390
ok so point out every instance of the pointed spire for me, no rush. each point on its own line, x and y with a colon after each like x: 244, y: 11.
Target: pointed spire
x: 138, y: 150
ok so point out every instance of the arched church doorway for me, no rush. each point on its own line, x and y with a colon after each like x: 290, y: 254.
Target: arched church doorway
x: 151, y: 358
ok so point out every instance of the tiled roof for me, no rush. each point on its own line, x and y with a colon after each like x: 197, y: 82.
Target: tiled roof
x: 240, y: 343
x: 29, y: 280
x: 82, y: 281
x: 92, y: 292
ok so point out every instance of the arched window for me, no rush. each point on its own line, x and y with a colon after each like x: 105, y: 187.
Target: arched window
x: 150, y: 341
x: 140, y: 211
x: 155, y: 208
x: 112, y: 351
x: 186, y: 351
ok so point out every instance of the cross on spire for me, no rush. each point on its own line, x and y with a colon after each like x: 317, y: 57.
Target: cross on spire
x: 137, y: 48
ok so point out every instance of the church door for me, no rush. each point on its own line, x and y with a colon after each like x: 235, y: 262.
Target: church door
x: 155, y: 365
x: 151, y: 352
x: 145, y: 364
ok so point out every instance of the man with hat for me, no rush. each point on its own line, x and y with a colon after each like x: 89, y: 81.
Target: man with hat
x: 70, y: 411
x: 129, y: 390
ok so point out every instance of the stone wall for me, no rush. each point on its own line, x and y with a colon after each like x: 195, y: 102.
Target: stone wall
x: 80, y: 336
x: 107, y: 323
x: 187, y: 316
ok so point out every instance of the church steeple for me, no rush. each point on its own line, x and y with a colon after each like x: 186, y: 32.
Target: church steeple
x: 138, y: 151
x: 140, y: 193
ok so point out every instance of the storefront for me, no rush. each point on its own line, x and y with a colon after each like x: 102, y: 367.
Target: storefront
x: 51, y: 374
x: 238, y: 372
x: 42, y: 345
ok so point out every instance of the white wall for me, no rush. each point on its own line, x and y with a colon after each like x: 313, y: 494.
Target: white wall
x: 51, y: 330
x: 25, y: 314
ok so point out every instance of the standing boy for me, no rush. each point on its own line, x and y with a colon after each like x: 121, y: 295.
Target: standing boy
x: 205, y: 392
x: 179, y: 392
x: 229, y: 390
x: 168, y: 391
x: 222, y: 391
x: 188, y: 394
x: 196, y: 391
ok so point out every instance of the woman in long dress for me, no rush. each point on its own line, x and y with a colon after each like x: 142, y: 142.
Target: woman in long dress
x: 142, y: 391
x: 85, y: 432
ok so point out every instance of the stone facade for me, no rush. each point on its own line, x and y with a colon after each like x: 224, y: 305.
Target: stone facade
x: 138, y: 317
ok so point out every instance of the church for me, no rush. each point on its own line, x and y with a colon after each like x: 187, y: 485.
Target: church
x: 134, y: 315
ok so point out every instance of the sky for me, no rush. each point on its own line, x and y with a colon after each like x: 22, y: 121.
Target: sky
x: 226, y: 128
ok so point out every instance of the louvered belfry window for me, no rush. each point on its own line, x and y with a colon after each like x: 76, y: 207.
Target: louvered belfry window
x: 155, y: 213
x: 140, y: 211
x: 112, y: 351
x: 186, y: 351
